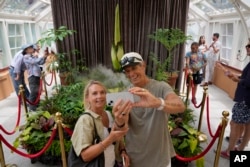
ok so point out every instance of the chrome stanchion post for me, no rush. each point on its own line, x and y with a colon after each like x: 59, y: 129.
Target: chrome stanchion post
x: 60, y: 132
x: 21, y: 92
x: 224, y: 123
x: 44, y: 84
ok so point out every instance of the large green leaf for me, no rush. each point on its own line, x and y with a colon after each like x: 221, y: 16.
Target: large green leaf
x: 200, y: 162
x: 193, y: 144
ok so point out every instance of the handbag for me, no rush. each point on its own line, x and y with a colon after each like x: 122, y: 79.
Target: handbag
x: 77, y: 161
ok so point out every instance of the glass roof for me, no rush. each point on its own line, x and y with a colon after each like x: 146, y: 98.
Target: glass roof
x: 212, y: 9
x: 24, y: 7
x: 205, y: 9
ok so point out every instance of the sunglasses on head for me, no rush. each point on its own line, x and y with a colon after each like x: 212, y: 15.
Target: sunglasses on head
x: 129, y: 59
x: 248, y: 46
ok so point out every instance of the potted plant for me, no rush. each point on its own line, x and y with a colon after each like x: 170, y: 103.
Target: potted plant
x: 184, y: 137
x: 62, y: 63
x: 34, y: 136
x: 169, y: 38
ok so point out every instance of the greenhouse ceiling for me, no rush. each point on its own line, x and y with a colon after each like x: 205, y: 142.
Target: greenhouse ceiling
x: 34, y: 10
x: 200, y: 10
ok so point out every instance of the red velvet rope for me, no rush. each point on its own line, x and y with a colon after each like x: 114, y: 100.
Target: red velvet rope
x: 18, y: 119
x: 30, y: 155
x: 193, y: 95
x: 205, y: 151
x: 208, y: 122
x: 38, y: 95
x: 68, y: 130
x: 51, y: 79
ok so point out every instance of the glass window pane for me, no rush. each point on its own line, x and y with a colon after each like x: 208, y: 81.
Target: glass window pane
x: 33, y: 30
x: 12, y: 42
x: 13, y: 52
x: 18, y: 29
x: 11, y: 29
x: 223, y: 53
x: 19, y: 41
x: 228, y: 54
x: 224, y: 41
x: 27, y: 32
x: 224, y: 29
x: 229, y: 41
x: 230, y: 29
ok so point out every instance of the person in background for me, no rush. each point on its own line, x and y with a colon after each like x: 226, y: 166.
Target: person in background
x: 82, y: 138
x: 203, y: 48
x: 213, y: 53
x: 202, y: 44
x: 241, y: 109
x: 148, y: 142
x: 33, y: 62
x: 195, y: 62
x: 17, y: 68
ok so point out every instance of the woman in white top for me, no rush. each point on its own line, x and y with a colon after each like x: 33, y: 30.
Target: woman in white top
x: 202, y: 44
x: 82, y: 137
x: 203, y: 48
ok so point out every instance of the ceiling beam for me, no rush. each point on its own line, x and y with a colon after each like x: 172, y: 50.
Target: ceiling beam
x: 16, y: 16
x: 2, y: 2
x: 45, y: 1
x: 245, y: 6
x: 43, y: 14
x: 210, y: 6
x: 198, y: 12
x: 34, y: 6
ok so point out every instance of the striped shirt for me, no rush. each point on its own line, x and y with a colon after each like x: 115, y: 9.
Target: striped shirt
x: 32, y: 63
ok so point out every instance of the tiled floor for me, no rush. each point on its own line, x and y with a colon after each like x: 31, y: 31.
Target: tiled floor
x: 218, y: 102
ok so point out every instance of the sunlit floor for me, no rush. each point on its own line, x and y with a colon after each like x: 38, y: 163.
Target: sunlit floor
x: 218, y: 102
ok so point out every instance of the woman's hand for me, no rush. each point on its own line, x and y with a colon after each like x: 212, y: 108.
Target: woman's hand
x: 121, y: 111
x: 117, y: 135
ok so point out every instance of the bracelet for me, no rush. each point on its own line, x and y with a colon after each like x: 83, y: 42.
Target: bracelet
x: 102, y: 145
x: 123, y: 150
x: 120, y: 126
x: 162, y: 104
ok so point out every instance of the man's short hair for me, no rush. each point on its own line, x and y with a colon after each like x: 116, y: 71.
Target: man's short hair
x: 217, y: 35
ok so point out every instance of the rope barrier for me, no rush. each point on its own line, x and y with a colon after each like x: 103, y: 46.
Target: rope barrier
x: 68, y: 130
x: 49, y: 84
x: 193, y: 95
x: 208, y: 122
x: 185, y: 159
x: 17, y: 122
x: 30, y: 155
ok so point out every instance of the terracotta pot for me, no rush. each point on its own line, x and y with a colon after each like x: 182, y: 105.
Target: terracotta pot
x: 172, y: 78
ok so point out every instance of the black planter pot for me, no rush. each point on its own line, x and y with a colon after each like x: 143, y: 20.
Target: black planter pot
x: 177, y: 163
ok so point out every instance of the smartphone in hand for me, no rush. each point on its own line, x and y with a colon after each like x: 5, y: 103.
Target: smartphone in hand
x: 113, y: 97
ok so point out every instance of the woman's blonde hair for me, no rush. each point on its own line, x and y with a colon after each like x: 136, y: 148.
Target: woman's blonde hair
x: 86, y: 92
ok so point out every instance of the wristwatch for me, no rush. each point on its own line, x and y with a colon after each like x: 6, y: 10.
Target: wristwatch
x: 162, y: 104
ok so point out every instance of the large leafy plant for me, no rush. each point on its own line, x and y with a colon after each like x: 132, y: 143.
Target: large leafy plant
x: 35, y: 134
x: 184, y: 136
x: 169, y: 38
x: 62, y: 63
